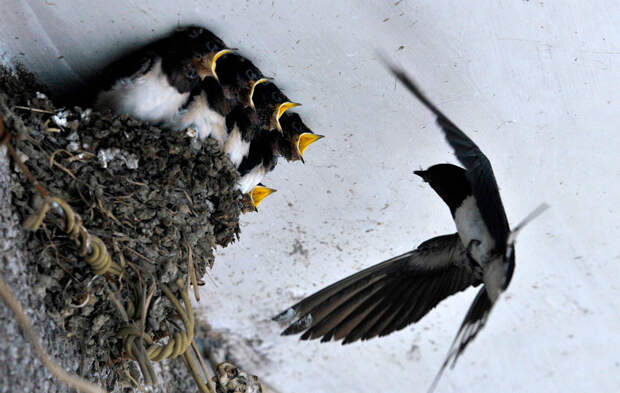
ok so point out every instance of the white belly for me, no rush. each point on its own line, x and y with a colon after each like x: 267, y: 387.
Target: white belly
x: 236, y: 147
x: 251, y: 179
x: 471, y: 226
x: 147, y: 97
x: 202, y: 118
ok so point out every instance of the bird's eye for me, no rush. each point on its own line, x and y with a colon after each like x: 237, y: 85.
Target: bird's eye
x: 195, y: 32
x: 296, y: 125
x: 276, y: 96
x: 250, y: 74
x: 190, y: 73
x: 211, y: 46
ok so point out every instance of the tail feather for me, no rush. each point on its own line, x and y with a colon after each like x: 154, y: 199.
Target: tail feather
x: 474, y: 321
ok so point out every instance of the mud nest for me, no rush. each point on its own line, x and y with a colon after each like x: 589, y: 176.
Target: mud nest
x: 153, y: 196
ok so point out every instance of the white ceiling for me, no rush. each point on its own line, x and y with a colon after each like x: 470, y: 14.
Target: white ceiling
x: 535, y: 84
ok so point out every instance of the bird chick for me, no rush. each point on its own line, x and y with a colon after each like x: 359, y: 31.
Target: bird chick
x: 296, y: 137
x: 251, y: 200
x: 270, y: 104
x: 154, y: 82
x: 238, y: 78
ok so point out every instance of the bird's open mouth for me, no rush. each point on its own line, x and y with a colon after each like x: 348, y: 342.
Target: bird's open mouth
x: 305, y: 140
x: 259, y: 193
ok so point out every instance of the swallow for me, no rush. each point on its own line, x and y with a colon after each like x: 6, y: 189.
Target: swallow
x: 205, y: 112
x: 244, y: 122
x: 252, y: 199
x: 261, y: 159
x: 266, y: 147
x: 214, y: 100
x: 296, y: 137
x: 400, y: 291
x: 270, y: 104
x: 241, y: 129
x: 239, y: 77
x: 153, y: 83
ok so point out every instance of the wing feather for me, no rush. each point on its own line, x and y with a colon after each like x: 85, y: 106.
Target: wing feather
x: 385, y: 297
x: 479, y: 169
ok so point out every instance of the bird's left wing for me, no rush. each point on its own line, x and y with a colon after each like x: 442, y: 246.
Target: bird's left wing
x: 480, y: 172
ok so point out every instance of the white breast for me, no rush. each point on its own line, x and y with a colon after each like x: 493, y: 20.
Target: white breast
x: 471, y: 226
x: 218, y: 127
x: 148, y: 97
x: 236, y: 147
x: 202, y: 118
x: 251, y: 179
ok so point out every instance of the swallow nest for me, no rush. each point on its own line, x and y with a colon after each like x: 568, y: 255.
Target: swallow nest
x: 153, y: 196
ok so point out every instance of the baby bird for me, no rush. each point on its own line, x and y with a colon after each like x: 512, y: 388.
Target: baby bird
x: 296, y: 137
x: 153, y: 83
x: 270, y: 104
x: 216, y: 98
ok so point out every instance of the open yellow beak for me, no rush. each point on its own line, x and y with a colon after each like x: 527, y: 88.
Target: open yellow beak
x: 213, y: 62
x: 259, y: 193
x: 258, y: 82
x: 283, y: 108
x: 305, y: 140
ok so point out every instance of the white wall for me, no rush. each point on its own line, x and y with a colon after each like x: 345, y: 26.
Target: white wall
x: 535, y: 83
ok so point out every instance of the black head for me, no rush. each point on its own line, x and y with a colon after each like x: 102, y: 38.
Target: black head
x: 239, y: 77
x: 292, y: 125
x: 198, y: 46
x: 449, y: 182
x: 198, y: 40
x: 268, y: 95
x: 296, y: 137
x: 271, y: 103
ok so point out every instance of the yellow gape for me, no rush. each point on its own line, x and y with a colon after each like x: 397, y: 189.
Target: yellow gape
x: 283, y: 108
x: 305, y: 140
x: 259, y: 193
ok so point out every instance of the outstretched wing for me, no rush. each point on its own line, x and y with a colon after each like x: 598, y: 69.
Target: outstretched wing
x: 480, y: 173
x: 385, y: 297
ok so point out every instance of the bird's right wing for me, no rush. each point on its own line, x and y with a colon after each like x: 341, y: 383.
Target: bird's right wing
x: 385, y: 297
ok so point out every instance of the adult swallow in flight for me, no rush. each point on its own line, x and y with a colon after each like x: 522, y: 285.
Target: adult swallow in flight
x: 153, y: 83
x: 395, y: 293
